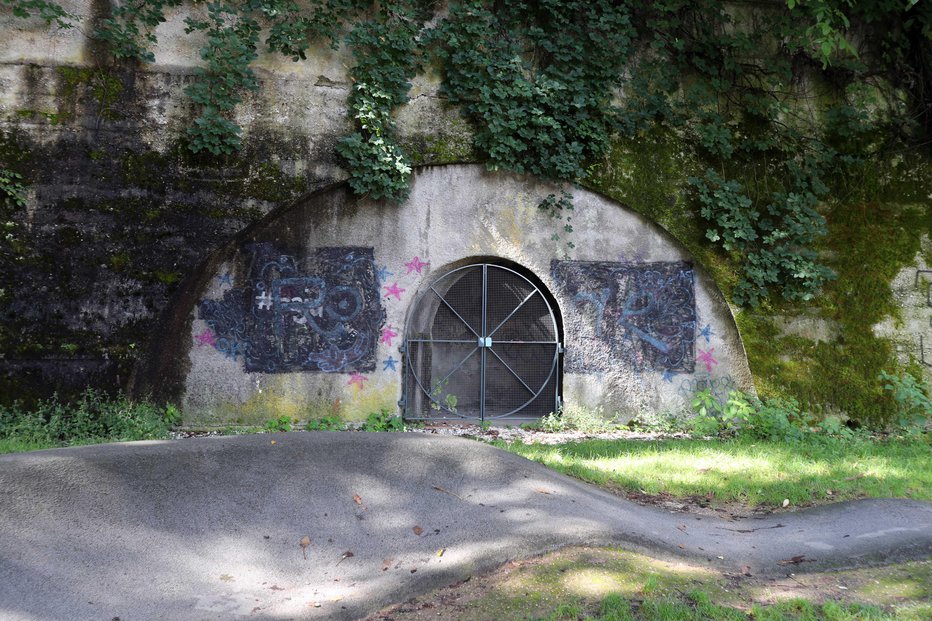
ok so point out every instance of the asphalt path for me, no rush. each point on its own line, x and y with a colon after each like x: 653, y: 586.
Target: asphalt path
x: 212, y: 528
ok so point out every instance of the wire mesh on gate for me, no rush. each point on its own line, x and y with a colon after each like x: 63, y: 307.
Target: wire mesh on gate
x: 482, y: 342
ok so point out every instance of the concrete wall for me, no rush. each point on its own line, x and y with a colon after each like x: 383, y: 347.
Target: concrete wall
x: 119, y: 212
x: 644, y: 328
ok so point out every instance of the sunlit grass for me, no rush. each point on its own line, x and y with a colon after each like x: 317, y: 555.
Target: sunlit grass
x: 606, y: 584
x: 754, y: 473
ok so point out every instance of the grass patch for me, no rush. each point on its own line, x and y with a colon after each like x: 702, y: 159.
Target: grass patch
x: 755, y: 473
x: 607, y: 584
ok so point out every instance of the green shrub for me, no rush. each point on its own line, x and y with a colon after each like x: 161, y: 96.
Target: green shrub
x: 280, y: 424
x: 777, y: 419
x: 327, y: 423
x: 93, y: 417
x: 913, y: 406
x: 383, y: 421
x: 574, y: 418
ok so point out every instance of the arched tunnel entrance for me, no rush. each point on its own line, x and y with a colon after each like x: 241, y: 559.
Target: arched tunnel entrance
x: 483, y: 341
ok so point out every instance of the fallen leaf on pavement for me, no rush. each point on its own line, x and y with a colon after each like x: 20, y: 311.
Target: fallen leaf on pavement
x: 541, y: 490
x: 345, y: 556
x: 226, y: 578
x: 441, y: 551
x: 681, y: 527
x: 440, y: 489
x: 357, y: 499
x: 304, y: 543
x: 418, y: 530
x: 795, y: 560
x: 746, y: 570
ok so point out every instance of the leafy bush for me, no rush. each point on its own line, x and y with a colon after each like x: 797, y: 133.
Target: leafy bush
x: 574, y: 418
x: 327, y: 423
x: 383, y: 421
x: 280, y: 424
x: 93, y: 417
x: 779, y: 420
x: 913, y: 406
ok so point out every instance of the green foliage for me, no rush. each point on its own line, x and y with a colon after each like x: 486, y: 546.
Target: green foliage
x: 548, y: 85
x: 93, y: 417
x: 378, y: 168
x: 913, y: 406
x: 774, y: 241
x: 283, y: 423
x: 44, y: 10
x: 131, y: 28
x: 12, y: 191
x: 537, y: 79
x: 560, y: 209
x: 777, y: 420
x: 385, y: 48
x: 383, y: 421
x: 868, y: 244
x: 574, y: 418
x: 327, y: 423
x: 231, y: 29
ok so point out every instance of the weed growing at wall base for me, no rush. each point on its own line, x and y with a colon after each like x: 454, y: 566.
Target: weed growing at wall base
x: 93, y: 417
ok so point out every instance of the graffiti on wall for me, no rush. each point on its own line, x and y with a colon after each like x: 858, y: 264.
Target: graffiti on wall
x: 323, y: 313
x: 643, y: 314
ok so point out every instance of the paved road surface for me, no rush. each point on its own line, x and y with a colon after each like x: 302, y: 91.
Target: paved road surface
x: 211, y: 528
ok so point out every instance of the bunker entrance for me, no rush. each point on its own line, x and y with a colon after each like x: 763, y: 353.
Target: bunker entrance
x: 482, y: 343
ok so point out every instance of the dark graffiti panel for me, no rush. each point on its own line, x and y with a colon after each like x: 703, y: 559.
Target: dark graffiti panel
x: 320, y: 314
x: 644, y: 314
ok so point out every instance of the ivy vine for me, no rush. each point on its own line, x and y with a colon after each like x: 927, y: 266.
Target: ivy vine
x: 549, y: 85
x: 49, y: 12
x: 386, y: 49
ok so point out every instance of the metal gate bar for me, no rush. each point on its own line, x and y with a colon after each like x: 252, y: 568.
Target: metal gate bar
x: 423, y: 360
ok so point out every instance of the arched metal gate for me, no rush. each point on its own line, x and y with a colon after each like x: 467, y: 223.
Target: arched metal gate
x: 482, y: 342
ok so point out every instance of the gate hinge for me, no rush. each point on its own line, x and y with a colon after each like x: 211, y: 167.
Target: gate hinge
x: 559, y: 348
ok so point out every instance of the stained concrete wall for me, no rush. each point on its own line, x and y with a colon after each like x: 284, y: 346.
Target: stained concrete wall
x: 625, y: 352
x: 119, y: 212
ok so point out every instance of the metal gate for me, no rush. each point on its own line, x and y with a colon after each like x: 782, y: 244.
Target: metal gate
x: 481, y: 343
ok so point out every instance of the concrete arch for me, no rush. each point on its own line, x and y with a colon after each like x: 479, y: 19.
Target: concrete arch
x: 303, y: 312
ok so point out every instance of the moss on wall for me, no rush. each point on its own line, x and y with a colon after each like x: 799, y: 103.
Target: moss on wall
x: 824, y: 353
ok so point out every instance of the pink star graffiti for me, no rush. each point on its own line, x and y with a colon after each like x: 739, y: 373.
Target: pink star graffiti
x: 394, y: 290
x: 205, y: 338
x: 357, y: 380
x: 706, y: 358
x: 388, y: 334
x: 415, y: 265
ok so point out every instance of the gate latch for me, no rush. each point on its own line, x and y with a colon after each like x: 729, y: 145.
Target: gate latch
x: 485, y: 341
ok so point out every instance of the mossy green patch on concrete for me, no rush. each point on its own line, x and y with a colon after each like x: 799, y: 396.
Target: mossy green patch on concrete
x: 649, y: 175
x: 95, y: 87
x: 867, y: 245
x: 876, y: 217
x: 447, y: 148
